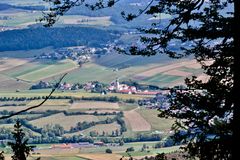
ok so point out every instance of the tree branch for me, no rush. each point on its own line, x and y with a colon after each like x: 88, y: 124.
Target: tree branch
x: 36, y: 106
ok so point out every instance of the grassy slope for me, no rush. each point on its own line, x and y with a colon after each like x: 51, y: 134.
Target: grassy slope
x: 20, y: 18
x: 157, y: 123
x: 23, y: 2
x: 65, y: 121
x: 25, y: 69
x: 162, y: 79
x: 9, y: 84
x: 49, y: 71
x: 25, y: 54
x: 91, y: 72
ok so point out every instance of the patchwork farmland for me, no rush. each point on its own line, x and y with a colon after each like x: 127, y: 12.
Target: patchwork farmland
x: 96, y: 115
x: 81, y: 124
x: 22, y: 73
x: 71, y: 118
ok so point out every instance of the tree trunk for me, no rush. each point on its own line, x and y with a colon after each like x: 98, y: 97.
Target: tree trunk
x: 236, y: 87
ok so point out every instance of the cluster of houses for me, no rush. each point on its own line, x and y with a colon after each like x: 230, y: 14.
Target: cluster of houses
x: 80, y: 54
x: 68, y: 86
x: 62, y: 86
x: 41, y: 85
x: 117, y: 87
x: 160, y: 101
x: 98, y: 87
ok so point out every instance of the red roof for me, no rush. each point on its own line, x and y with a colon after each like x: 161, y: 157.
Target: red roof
x: 125, y: 91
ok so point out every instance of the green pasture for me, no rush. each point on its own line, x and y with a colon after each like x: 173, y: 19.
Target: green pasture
x: 24, y: 69
x: 191, y: 70
x: 25, y: 54
x: 20, y: 18
x: 24, y: 2
x: 49, y: 71
x: 162, y: 78
x: 151, y: 151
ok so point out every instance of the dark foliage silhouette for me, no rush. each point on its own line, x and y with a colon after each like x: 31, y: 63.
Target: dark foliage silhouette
x: 20, y: 147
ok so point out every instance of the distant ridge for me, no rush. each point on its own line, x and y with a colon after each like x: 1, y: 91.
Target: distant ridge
x: 4, y: 6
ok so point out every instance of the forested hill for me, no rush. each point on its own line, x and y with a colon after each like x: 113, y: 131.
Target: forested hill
x: 36, y: 38
x: 4, y: 6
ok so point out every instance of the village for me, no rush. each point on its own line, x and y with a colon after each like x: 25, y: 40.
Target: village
x: 79, y: 54
x: 158, y: 97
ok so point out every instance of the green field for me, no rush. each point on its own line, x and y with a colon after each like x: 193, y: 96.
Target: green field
x: 65, y: 121
x: 25, y: 54
x: 85, y: 20
x: 20, y: 19
x: 100, y: 152
x: 104, y: 74
x: 25, y: 69
x: 152, y: 151
x: 48, y: 71
x: 162, y: 79
x: 191, y: 70
x: 24, y: 2
x: 115, y: 60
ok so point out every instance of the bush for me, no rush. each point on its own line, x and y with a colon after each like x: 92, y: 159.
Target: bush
x: 131, y: 149
x: 158, y: 145
x: 108, y: 151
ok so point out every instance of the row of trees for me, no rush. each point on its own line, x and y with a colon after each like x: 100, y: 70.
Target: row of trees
x: 108, y: 99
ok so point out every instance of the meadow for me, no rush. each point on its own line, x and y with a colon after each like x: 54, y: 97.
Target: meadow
x: 49, y: 71
x: 86, y: 105
x: 86, y: 20
x: 136, y: 121
x: 152, y: 117
x: 65, y: 121
x: 19, y: 18
x: 24, y: 2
